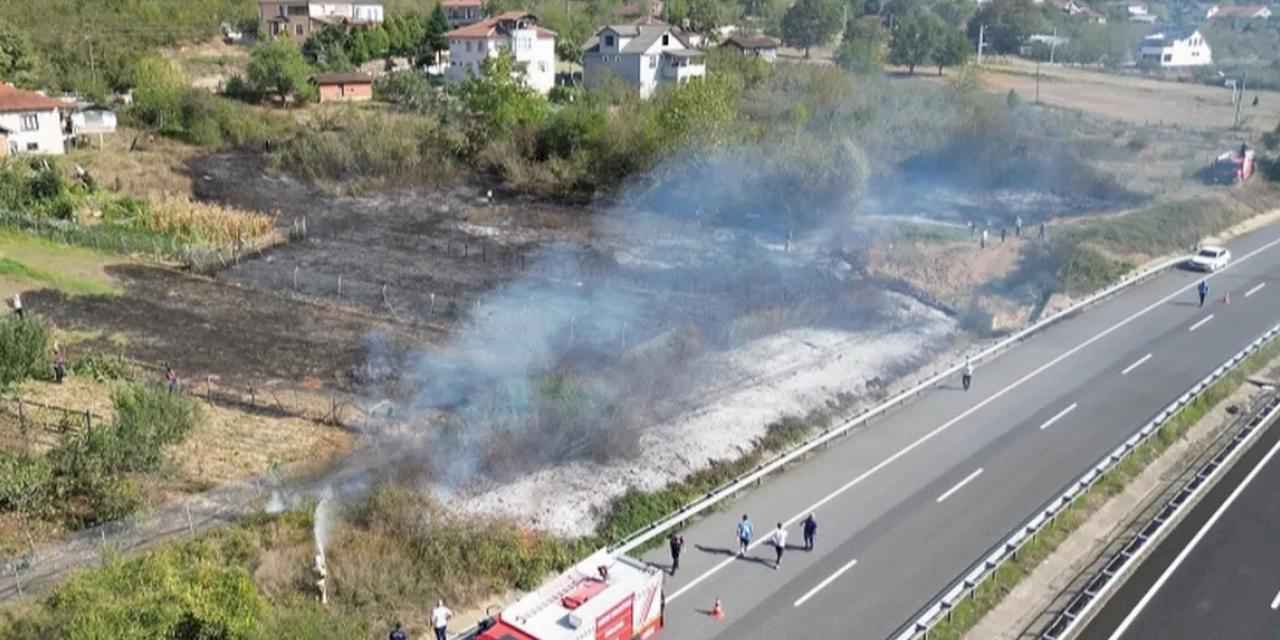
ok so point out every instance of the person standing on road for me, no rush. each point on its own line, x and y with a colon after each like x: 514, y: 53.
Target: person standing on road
x: 1042, y: 231
x: 744, y: 535
x: 440, y: 620
x: 982, y: 242
x: 779, y: 541
x: 966, y: 378
x: 810, y: 532
x: 398, y: 634
x: 1017, y: 226
x: 1004, y: 232
x: 677, y: 543
x: 1204, y: 291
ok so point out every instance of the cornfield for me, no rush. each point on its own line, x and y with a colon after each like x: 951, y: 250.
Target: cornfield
x: 202, y: 223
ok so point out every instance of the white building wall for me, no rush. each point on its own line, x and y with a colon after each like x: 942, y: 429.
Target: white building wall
x: 367, y: 13
x: 47, y: 137
x: 330, y: 10
x: 539, y: 56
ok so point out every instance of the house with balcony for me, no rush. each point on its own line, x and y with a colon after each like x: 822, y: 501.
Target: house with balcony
x: 532, y: 47
x: 30, y: 122
x: 461, y: 13
x: 299, y: 19
x: 644, y: 56
x: 1175, y: 48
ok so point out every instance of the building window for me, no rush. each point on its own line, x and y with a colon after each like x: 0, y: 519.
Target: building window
x: 32, y: 146
x: 1168, y: 57
x: 297, y: 28
x: 30, y: 122
x: 298, y: 11
x: 653, y: 62
x: 608, y: 41
x: 468, y: 46
x: 666, y: 40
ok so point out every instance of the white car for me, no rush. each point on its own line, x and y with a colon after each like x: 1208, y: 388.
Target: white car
x: 1210, y: 259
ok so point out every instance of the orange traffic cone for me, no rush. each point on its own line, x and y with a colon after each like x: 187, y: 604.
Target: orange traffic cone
x: 717, y: 611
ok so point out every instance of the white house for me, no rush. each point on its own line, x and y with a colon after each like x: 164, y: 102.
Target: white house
x: 645, y: 56
x: 29, y: 122
x: 1241, y: 11
x: 461, y: 13
x: 1175, y: 49
x: 533, y: 48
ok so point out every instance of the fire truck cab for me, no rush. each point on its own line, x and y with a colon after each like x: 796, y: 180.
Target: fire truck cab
x: 604, y: 597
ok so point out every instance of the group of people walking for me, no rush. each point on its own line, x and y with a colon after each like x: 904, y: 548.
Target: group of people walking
x: 777, y: 539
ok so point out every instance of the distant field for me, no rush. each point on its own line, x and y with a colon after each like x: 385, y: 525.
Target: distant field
x: 1133, y: 99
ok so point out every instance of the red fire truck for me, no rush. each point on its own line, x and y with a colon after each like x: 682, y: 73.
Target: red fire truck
x: 604, y: 597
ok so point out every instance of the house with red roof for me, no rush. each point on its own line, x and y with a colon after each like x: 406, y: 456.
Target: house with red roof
x: 30, y: 122
x: 533, y: 48
x: 1241, y: 11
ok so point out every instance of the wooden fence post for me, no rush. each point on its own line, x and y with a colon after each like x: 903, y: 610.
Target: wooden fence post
x: 88, y: 421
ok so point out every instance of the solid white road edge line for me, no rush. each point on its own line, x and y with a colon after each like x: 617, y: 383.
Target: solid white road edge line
x: 1135, y: 365
x: 1186, y: 551
x: 960, y: 484
x: 1201, y: 323
x: 1275, y: 603
x: 832, y: 578
x: 1255, y: 289
x: 947, y: 425
x: 1050, y: 421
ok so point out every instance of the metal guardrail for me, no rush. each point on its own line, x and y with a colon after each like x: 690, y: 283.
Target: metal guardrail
x: 1114, y: 571
x: 732, y: 487
x: 968, y: 582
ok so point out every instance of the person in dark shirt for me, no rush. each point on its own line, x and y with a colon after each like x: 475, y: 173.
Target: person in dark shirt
x: 810, y: 532
x: 677, y: 543
x: 398, y: 634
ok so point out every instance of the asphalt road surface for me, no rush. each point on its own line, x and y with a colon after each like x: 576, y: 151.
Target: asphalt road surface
x: 907, y: 503
x: 1217, y: 575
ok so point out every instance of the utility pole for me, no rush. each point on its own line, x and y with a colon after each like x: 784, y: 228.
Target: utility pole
x: 982, y: 41
x: 1053, y: 45
x: 1037, y: 80
x: 1239, y: 98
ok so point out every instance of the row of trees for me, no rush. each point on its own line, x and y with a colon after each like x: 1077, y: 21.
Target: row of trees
x: 337, y: 48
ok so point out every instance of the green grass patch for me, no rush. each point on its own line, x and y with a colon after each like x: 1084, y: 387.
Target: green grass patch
x: 62, y: 282
x: 967, y: 614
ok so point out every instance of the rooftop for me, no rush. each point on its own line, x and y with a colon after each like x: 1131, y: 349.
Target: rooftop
x: 640, y: 36
x: 342, y: 78
x: 1238, y: 11
x: 462, y: 3
x: 489, y: 27
x: 751, y: 42
x: 15, y: 99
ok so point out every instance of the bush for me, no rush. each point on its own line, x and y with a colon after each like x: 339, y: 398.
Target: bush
x: 148, y: 418
x: 26, y: 483
x: 24, y: 349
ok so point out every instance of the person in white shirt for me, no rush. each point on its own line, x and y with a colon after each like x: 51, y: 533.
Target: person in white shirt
x: 779, y: 541
x: 440, y: 620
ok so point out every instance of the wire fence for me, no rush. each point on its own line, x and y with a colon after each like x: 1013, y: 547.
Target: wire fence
x: 37, y: 569
x: 27, y: 425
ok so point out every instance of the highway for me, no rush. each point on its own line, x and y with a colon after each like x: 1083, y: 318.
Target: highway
x: 908, y: 502
x: 1217, y: 575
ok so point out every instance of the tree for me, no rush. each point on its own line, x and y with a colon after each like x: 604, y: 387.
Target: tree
x: 500, y: 99
x: 358, y: 49
x: 1008, y: 24
x: 278, y: 68
x: 379, y: 43
x: 433, y: 38
x: 862, y: 49
x: 327, y: 49
x: 956, y: 13
x: 18, y: 61
x: 811, y: 23
x: 953, y: 49
x: 915, y: 38
x: 157, y: 98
